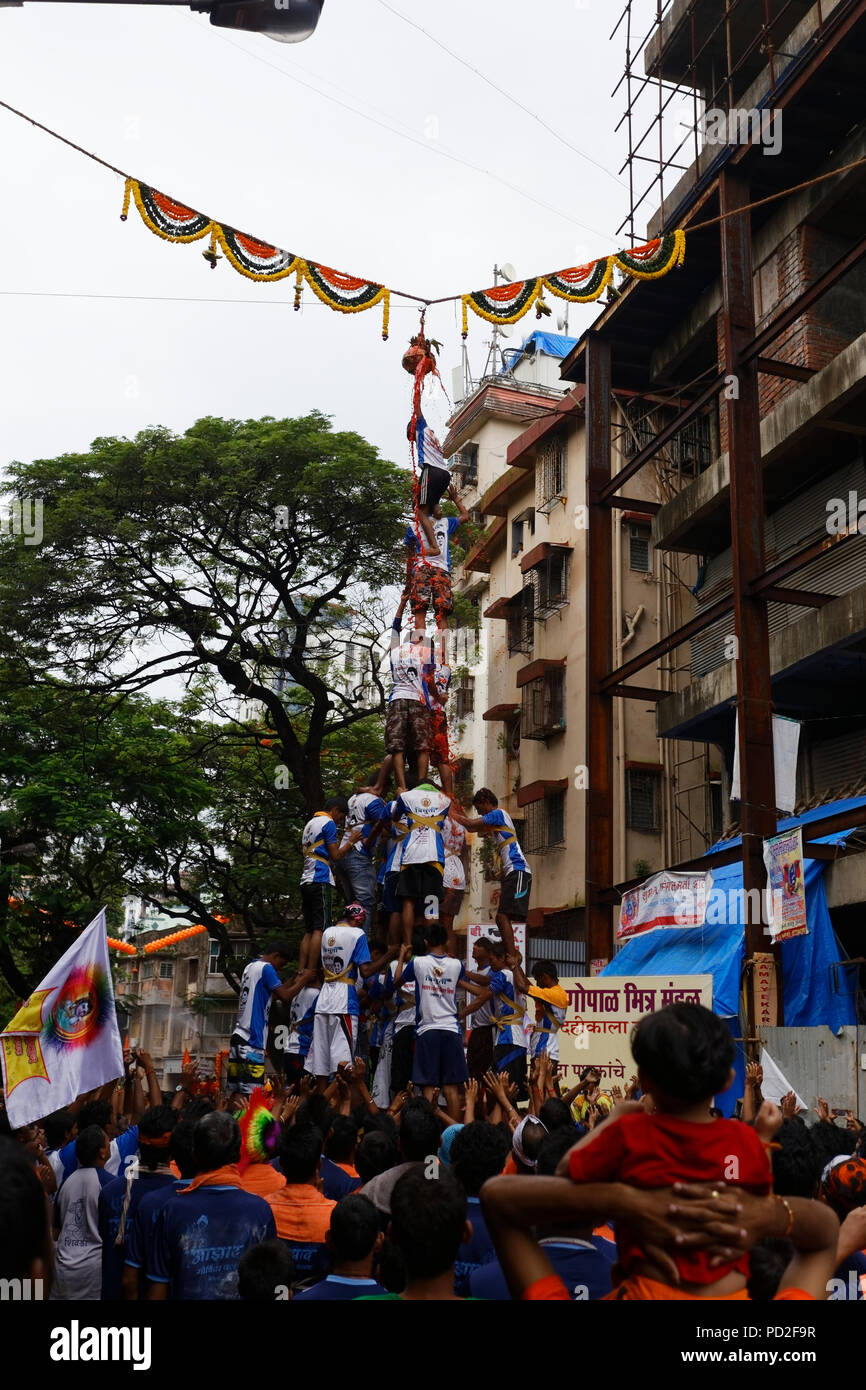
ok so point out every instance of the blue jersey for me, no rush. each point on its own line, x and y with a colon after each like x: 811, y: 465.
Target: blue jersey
x: 508, y: 1010
x: 475, y: 1252
x: 200, y: 1237
x: 319, y: 833
x: 141, y: 1230
x: 111, y: 1200
x: 443, y: 529
x: 584, y: 1268
x: 336, y: 1182
x: 302, y: 1017
x: 511, y: 859
x: 123, y: 1150
x: 365, y: 811
x: 258, y: 983
x: 380, y: 990
x: 336, y: 1288
x: 426, y: 810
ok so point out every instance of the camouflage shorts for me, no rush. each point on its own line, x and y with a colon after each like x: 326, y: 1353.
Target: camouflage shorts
x: 407, y: 727
x: 431, y: 588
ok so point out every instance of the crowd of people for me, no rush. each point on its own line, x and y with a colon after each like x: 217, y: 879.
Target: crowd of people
x: 392, y: 1123
x: 310, y: 1189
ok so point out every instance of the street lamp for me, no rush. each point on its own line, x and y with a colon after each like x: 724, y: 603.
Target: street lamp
x: 287, y: 21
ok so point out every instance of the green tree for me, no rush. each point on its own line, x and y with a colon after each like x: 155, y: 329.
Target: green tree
x: 240, y: 557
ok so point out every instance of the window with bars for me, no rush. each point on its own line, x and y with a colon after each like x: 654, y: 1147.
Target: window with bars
x: 213, y: 958
x: 643, y: 796
x: 147, y: 970
x: 542, y: 710
x: 166, y: 969
x: 218, y: 1023
x: 465, y: 466
x: 521, y: 616
x: 552, y: 582
x: 544, y: 824
x: 522, y: 527
x: 465, y: 697
x: 550, y: 475
x: 639, y: 549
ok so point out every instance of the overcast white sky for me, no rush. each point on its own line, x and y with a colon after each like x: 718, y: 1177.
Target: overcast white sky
x: 222, y: 122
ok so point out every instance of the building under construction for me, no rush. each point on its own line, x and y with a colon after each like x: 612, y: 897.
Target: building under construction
x: 756, y: 351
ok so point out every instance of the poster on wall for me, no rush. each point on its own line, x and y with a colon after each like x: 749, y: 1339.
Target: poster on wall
x: 477, y: 929
x: 786, y: 885
x: 602, y: 1012
x: 665, y: 900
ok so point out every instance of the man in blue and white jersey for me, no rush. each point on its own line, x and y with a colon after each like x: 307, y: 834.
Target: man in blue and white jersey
x: 260, y: 983
x: 439, y: 1059
x: 345, y: 959
x: 321, y: 852
x: 357, y: 871
x: 421, y: 854
x: 407, y: 719
x: 515, y: 876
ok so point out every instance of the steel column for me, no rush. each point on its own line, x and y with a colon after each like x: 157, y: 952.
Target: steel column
x: 754, y: 697
x: 598, y: 825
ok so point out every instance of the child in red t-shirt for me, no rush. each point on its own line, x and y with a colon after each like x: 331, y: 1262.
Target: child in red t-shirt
x: 684, y: 1055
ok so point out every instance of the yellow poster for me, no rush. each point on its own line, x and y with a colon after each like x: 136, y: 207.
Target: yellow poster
x: 602, y: 1010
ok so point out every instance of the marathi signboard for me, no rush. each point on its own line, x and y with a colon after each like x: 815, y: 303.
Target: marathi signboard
x: 476, y: 929
x: 786, y: 886
x: 665, y: 900
x: 602, y: 1011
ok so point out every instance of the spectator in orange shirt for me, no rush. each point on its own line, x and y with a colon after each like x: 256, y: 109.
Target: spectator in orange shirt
x: 302, y: 1212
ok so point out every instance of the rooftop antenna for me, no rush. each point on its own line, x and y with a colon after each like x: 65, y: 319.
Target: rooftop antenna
x: 495, y: 355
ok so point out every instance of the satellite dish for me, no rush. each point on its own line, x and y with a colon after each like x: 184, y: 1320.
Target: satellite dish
x: 509, y: 272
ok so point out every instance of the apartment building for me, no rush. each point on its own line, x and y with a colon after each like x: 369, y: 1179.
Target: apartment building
x: 176, y: 999
x: 520, y: 709
x: 757, y: 347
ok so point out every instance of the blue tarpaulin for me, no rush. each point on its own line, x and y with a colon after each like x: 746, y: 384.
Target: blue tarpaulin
x: 809, y: 990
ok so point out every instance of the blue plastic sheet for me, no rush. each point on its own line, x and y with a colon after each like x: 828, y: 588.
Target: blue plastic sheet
x: 809, y: 988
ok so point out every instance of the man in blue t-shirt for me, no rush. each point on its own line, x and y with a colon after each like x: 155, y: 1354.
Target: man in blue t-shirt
x: 584, y: 1261
x: 479, y: 1152
x: 141, y: 1229
x: 354, y: 1239
x: 260, y: 984
x: 119, y: 1199
x: 515, y: 876
x: 123, y: 1143
x: 203, y: 1231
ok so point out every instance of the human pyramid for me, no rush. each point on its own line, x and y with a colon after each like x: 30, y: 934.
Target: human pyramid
x: 400, y: 867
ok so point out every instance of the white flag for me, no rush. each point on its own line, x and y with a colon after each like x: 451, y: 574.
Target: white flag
x: 64, y: 1039
x: 786, y: 742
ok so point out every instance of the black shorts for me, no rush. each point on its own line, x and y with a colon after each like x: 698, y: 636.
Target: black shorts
x: 316, y: 906
x: 421, y: 883
x: 514, y: 895
x: 435, y: 482
x: 439, y: 1059
x: 402, y: 1054
x: 479, y: 1053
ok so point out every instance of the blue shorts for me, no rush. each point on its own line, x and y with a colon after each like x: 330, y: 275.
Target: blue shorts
x: 439, y: 1059
x: 389, y: 902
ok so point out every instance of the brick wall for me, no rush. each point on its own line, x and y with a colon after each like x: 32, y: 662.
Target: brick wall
x: 817, y: 336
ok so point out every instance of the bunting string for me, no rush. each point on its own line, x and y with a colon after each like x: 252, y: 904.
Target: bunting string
x: 351, y: 294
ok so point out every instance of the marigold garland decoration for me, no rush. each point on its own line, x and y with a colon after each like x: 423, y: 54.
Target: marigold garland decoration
x: 255, y: 259
x: 350, y: 294
x: 656, y: 258
x: 582, y: 283
x: 168, y: 219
